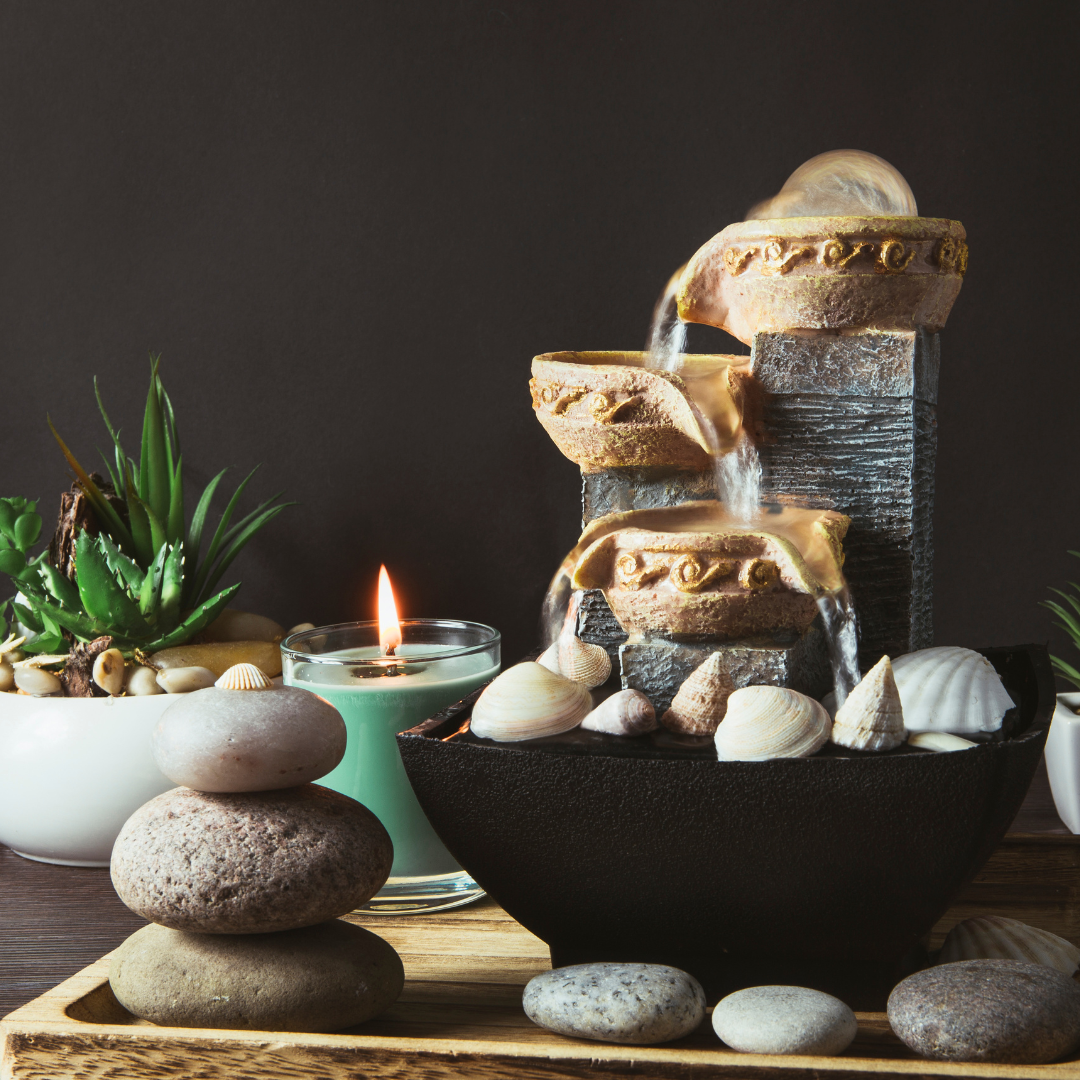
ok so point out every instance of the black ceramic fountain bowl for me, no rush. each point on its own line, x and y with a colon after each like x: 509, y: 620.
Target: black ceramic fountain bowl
x: 826, y: 872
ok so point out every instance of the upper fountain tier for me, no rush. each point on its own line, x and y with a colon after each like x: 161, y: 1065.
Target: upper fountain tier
x: 826, y: 273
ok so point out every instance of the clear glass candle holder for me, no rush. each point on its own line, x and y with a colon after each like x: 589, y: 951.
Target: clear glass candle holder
x: 439, y: 662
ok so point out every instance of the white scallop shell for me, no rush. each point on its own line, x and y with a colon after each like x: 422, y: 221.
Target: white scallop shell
x: 950, y: 689
x: 549, y: 658
x: 764, y: 722
x: 698, y: 705
x: 583, y: 662
x: 871, y: 717
x: 993, y: 937
x: 939, y: 741
x: 527, y: 701
x: 244, y: 677
x: 629, y: 712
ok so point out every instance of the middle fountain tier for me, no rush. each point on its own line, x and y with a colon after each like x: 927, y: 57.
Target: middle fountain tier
x: 844, y: 425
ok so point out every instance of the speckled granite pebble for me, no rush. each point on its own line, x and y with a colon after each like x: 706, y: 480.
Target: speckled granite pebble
x: 248, y: 740
x: 1001, y: 1011
x: 320, y: 978
x: 249, y: 863
x: 624, y: 1003
x: 784, y: 1020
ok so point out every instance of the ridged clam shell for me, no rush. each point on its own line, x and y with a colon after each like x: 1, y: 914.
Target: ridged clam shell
x: 527, y: 701
x: 699, y: 704
x: 629, y: 712
x: 992, y: 937
x: 584, y: 663
x: 939, y: 741
x: 765, y: 722
x: 950, y: 689
x: 244, y: 677
x: 871, y: 717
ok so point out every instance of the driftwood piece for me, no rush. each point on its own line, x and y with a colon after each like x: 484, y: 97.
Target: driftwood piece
x: 77, y: 678
x: 77, y: 514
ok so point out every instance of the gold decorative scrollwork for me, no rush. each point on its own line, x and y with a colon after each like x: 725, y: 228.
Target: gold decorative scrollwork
x: 758, y: 574
x: 607, y: 411
x: 736, y: 261
x: 836, y: 254
x: 774, y: 261
x: 962, y: 259
x: 892, y: 258
x: 690, y: 575
x: 567, y: 398
x: 635, y: 576
x: 946, y: 251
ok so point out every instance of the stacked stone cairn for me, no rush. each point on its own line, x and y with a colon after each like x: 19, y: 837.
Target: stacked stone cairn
x: 245, y: 869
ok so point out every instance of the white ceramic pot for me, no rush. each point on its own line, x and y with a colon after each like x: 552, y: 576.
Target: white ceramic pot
x: 72, y: 771
x: 1063, y: 760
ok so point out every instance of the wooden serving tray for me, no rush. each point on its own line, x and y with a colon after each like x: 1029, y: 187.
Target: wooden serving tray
x: 460, y: 1014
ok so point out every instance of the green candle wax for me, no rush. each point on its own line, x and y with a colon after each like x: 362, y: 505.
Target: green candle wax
x: 375, y: 709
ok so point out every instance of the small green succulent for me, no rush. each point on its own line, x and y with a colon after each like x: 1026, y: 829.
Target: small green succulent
x: 140, y: 579
x: 1069, y: 621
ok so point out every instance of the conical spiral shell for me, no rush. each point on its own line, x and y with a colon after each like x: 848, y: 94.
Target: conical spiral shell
x: 244, y: 677
x: 698, y: 706
x: 871, y: 717
x: 765, y: 722
x: 629, y: 712
x: 950, y: 689
x: 993, y: 937
x: 527, y: 701
x: 584, y: 663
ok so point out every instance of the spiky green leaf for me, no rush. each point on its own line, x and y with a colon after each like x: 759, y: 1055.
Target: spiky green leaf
x: 172, y: 588
x: 205, y: 568
x: 150, y: 593
x: 102, y: 596
x: 140, y: 527
x: 174, y: 527
x: 123, y: 568
x: 1066, y: 671
x: 60, y: 588
x: 154, y: 465
x: 27, y: 617
x: 237, y: 545
x: 200, y: 618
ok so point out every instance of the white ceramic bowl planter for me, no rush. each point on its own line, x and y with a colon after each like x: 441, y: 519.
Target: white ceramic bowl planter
x: 72, y: 771
x: 1063, y: 760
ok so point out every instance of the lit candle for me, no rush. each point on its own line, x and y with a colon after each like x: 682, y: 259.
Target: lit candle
x: 384, y: 678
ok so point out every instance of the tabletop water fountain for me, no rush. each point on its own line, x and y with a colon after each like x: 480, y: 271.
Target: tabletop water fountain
x: 736, y: 509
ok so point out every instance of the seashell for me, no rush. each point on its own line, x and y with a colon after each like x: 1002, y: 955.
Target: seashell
x: 109, y: 671
x: 583, y: 663
x: 939, y: 741
x: 528, y: 702
x: 698, y: 705
x: 244, y: 677
x: 233, y: 625
x: 549, y: 658
x: 185, y: 680
x: 993, y: 937
x: 950, y: 689
x: 141, y: 681
x: 301, y: 627
x: 765, y: 722
x: 7, y: 677
x: 36, y: 681
x: 871, y: 717
x: 9, y: 646
x: 629, y: 712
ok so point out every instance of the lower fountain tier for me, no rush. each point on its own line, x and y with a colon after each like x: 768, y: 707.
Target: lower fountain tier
x: 658, y: 667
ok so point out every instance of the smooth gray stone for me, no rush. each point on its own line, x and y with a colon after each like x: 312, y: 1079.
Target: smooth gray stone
x: 1000, y: 1011
x: 639, y: 1004
x: 248, y: 740
x: 320, y: 978
x: 784, y: 1020
x: 250, y: 863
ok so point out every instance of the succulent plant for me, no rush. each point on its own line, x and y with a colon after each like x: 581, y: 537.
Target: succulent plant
x: 1069, y: 621
x: 140, y: 579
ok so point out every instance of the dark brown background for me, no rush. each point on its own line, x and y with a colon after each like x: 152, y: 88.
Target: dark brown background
x: 349, y: 226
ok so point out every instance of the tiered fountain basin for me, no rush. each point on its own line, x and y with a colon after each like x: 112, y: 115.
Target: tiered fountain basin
x: 607, y: 409
x: 693, y: 571
x: 832, y: 273
x: 826, y: 871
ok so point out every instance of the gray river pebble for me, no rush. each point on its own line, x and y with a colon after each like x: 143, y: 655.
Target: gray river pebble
x: 248, y: 740
x: 784, y: 1020
x: 320, y: 978
x: 249, y: 863
x: 1000, y: 1011
x: 639, y: 1004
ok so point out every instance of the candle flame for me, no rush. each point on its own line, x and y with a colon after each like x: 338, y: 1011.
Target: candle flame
x: 389, y: 627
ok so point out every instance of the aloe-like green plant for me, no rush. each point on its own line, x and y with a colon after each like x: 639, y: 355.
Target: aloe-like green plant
x: 1069, y: 621
x: 142, y: 579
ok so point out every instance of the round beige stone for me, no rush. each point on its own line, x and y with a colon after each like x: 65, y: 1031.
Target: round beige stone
x: 320, y: 978
x: 249, y: 863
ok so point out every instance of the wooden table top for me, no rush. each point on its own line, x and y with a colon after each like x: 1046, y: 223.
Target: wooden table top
x: 56, y: 920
